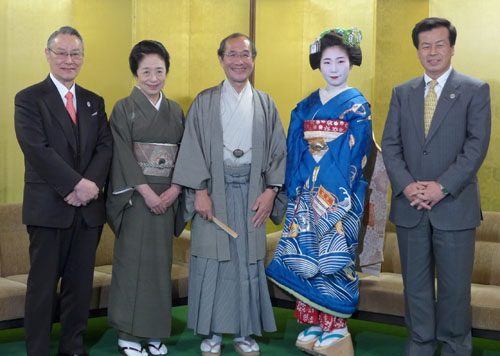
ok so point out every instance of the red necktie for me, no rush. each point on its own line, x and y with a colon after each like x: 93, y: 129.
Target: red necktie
x: 70, y: 107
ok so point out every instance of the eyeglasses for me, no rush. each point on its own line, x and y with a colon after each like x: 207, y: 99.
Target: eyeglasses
x: 76, y: 56
x: 233, y: 56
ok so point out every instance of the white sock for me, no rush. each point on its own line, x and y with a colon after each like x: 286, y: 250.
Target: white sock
x: 310, y: 333
x: 253, y: 345
x: 342, y: 331
x: 327, y: 341
x: 157, y: 342
x: 239, y: 339
x: 215, y: 339
x: 125, y: 343
x: 133, y: 344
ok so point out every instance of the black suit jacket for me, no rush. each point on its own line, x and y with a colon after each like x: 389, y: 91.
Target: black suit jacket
x: 56, y: 159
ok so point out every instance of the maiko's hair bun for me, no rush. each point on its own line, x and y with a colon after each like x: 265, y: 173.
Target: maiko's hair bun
x: 348, y: 39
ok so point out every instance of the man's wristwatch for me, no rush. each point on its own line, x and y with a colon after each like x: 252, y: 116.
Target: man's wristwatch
x: 443, y: 190
x: 274, y: 188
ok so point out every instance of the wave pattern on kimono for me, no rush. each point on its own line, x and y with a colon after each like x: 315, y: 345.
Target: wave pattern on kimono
x: 315, y: 258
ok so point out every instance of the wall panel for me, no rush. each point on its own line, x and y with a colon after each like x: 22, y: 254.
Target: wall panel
x: 395, y: 56
x: 106, y: 28
x: 283, y: 68
x: 25, y: 26
x: 191, y: 30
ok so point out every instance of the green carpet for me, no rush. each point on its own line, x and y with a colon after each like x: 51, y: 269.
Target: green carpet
x: 370, y: 339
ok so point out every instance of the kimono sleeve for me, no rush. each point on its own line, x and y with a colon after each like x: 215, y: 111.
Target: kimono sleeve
x: 360, y: 127
x: 191, y: 168
x: 274, y: 173
x: 125, y: 173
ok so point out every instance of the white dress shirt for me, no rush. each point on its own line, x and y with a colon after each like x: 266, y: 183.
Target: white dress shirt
x: 61, y: 88
x: 441, y: 81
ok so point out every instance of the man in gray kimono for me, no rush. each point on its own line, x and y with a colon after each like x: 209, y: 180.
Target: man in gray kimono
x: 232, y: 157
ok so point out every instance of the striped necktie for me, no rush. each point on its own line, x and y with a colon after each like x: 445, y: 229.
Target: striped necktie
x: 430, y: 106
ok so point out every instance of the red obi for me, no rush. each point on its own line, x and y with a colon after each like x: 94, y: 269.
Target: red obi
x: 334, y: 126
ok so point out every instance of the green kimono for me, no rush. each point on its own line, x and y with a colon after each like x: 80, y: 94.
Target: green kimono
x: 140, y: 292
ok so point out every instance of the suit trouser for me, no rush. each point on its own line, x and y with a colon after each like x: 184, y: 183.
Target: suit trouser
x: 427, y: 252
x: 69, y: 255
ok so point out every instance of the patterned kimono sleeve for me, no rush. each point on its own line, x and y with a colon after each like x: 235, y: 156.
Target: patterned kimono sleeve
x: 360, y: 128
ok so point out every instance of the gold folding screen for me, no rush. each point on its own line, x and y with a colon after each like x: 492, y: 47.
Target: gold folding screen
x: 192, y: 29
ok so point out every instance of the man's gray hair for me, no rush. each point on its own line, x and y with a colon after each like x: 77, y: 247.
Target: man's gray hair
x: 65, y: 30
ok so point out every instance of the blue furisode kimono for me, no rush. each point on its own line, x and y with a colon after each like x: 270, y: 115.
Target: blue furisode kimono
x: 315, y: 258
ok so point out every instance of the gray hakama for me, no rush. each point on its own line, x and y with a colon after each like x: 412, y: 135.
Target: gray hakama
x: 231, y: 296
x: 140, y: 293
x: 228, y: 291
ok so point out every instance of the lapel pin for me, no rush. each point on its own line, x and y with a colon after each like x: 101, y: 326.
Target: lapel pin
x: 88, y: 102
x: 452, y: 96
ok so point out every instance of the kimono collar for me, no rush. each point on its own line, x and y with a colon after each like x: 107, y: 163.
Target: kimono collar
x: 158, y: 103
x: 228, y: 90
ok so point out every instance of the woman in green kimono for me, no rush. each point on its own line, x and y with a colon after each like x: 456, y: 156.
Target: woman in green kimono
x: 142, y: 203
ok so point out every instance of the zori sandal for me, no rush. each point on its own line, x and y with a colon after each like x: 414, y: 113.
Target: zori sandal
x: 210, y: 348
x: 131, y: 351
x: 341, y: 347
x: 246, y: 347
x: 160, y: 350
x: 307, y: 338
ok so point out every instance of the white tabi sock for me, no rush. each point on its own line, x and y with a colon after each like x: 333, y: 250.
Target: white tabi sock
x: 252, y: 344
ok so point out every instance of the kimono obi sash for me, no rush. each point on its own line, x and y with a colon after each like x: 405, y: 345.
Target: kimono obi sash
x: 318, y: 132
x: 156, y: 159
x: 324, y: 128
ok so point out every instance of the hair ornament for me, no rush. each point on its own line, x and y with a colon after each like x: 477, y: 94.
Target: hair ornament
x: 350, y: 37
x: 315, y: 47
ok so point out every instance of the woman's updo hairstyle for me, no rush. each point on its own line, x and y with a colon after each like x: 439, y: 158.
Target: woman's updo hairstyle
x: 349, y: 40
x: 144, y: 48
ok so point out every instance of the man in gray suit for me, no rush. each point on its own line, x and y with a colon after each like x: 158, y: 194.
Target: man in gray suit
x: 435, y: 139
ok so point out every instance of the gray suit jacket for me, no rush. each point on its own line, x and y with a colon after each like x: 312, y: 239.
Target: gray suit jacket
x: 451, y: 154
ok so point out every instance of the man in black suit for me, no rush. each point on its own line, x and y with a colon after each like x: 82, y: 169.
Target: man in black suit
x: 435, y: 139
x: 63, y: 132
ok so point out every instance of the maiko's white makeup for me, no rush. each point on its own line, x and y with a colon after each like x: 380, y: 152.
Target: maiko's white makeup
x: 335, y: 67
